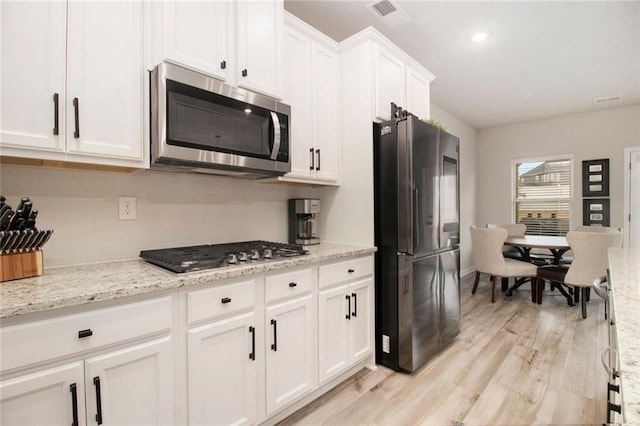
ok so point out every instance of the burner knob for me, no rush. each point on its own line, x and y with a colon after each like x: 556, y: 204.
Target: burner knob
x: 233, y: 259
x: 267, y: 254
x: 242, y: 256
x: 255, y: 255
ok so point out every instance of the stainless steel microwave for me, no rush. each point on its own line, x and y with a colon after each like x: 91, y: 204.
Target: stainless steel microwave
x: 200, y: 124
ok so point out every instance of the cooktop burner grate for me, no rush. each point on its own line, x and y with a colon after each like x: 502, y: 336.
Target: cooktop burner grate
x: 197, y: 258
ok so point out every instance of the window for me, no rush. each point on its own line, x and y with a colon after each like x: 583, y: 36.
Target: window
x: 542, y: 194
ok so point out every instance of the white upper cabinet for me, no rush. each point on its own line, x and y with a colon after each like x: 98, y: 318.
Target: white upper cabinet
x: 97, y: 48
x: 311, y: 89
x: 239, y: 42
x: 389, y: 82
x: 199, y: 34
x: 29, y: 82
x: 259, y: 45
x: 399, y: 79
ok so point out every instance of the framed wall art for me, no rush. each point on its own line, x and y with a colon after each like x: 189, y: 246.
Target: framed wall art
x: 595, y: 178
x: 595, y: 211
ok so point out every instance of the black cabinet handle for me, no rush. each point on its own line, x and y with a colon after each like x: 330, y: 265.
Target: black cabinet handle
x: 351, y: 271
x: 612, y: 407
x: 313, y: 159
x: 76, y: 115
x: 56, y: 113
x: 245, y: 73
x: 292, y: 284
x: 74, y: 403
x: 96, y: 383
x: 252, y: 355
x: 85, y: 333
x: 274, y: 346
x: 348, y: 316
x: 318, y: 154
x: 612, y: 387
x: 225, y: 300
x: 355, y: 305
x: 223, y: 65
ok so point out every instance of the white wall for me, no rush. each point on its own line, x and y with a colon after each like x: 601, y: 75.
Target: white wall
x: 468, y: 188
x: 173, y: 209
x: 588, y: 136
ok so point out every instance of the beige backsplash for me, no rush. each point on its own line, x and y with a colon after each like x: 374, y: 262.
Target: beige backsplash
x: 173, y: 209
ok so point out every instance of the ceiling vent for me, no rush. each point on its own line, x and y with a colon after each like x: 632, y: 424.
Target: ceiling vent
x: 389, y: 12
x: 599, y: 101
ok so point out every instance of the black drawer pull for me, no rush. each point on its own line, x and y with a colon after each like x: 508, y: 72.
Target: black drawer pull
x: 244, y: 72
x: 56, y: 113
x: 313, y: 159
x: 223, y: 65
x: 85, y: 333
x: 351, y: 271
x: 292, y: 284
x: 76, y: 117
x: 226, y: 300
x: 355, y: 305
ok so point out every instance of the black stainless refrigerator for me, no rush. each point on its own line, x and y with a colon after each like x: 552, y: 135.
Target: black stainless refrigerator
x: 416, y: 181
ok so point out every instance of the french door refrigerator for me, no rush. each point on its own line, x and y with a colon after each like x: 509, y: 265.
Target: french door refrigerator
x: 417, y: 237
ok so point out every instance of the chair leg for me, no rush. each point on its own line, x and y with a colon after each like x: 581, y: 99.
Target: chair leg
x: 534, y: 289
x: 493, y: 289
x: 588, y: 293
x: 584, y: 301
x: 576, y: 295
x: 475, y: 284
x: 540, y: 289
x: 606, y: 308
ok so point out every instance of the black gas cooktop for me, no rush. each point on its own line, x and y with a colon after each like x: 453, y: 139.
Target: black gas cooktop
x: 197, y: 258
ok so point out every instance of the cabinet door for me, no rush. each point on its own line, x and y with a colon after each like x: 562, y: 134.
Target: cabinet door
x: 33, y: 38
x: 106, y: 77
x: 389, y: 82
x: 54, y: 397
x: 361, y: 323
x: 199, y: 34
x: 259, y: 45
x: 333, y: 331
x: 290, y: 354
x: 325, y: 127
x: 298, y: 88
x: 418, y: 99
x: 222, y: 372
x: 131, y: 386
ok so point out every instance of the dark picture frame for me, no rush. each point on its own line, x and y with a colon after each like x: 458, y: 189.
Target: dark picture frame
x: 595, y: 211
x: 595, y: 178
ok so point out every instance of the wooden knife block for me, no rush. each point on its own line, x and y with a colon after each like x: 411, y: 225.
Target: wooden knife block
x: 20, y: 265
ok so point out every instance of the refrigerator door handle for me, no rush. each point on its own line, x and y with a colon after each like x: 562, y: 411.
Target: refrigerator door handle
x: 405, y: 190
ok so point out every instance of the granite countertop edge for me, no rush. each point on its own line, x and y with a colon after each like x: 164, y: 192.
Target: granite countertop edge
x: 71, y: 286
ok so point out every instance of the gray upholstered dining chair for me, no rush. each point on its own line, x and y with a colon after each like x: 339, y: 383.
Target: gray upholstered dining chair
x: 513, y: 230
x: 589, y: 263
x: 487, y: 255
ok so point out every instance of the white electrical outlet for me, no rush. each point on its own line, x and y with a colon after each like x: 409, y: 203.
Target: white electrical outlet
x: 127, y: 208
x: 385, y: 344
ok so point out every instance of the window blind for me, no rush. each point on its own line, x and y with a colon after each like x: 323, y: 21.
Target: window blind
x: 542, y: 198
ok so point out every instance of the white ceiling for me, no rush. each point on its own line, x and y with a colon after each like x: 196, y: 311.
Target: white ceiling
x: 541, y: 59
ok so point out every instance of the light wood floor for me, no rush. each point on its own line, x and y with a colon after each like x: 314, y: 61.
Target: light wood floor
x: 514, y: 363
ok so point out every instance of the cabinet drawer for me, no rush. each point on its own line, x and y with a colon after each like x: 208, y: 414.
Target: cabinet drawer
x: 288, y: 284
x: 43, y: 340
x: 351, y: 269
x: 220, y: 300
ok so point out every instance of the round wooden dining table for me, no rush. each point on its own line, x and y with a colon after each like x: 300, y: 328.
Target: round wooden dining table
x: 558, y: 246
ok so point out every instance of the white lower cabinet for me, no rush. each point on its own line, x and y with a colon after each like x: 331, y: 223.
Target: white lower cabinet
x: 345, y: 316
x: 53, y: 396
x: 222, y: 370
x: 290, y: 351
x: 108, y: 366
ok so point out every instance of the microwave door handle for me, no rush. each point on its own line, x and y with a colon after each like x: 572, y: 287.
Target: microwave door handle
x: 276, y: 135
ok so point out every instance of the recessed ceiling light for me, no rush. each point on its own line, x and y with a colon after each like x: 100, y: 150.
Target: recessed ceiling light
x: 479, y: 36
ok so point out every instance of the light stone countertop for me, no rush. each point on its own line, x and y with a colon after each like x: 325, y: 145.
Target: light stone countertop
x: 624, y: 265
x: 77, y: 285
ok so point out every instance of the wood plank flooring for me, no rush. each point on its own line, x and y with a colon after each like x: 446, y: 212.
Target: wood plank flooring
x: 514, y: 363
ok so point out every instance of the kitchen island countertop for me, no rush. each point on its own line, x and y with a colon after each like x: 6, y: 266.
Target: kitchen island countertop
x: 78, y: 285
x: 624, y: 265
